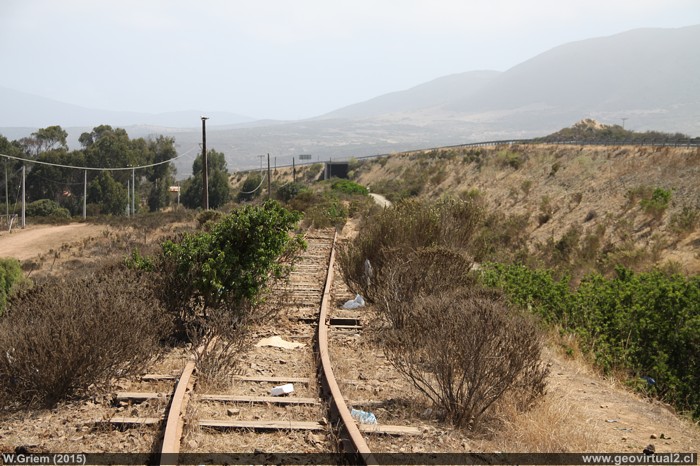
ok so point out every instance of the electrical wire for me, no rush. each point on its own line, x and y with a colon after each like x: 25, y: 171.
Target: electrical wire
x: 261, y: 183
x: 97, y: 168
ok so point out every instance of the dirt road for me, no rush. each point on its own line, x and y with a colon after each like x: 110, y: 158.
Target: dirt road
x: 40, y: 239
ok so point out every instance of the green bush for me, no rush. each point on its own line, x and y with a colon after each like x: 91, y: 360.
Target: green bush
x: 326, y: 211
x: 657, y: 204
x: 348, y: 187
x: 252, y: 187
x: 229, y: 265
x: 647, y: 323
x: 289, y: 191
x: 10, y: 278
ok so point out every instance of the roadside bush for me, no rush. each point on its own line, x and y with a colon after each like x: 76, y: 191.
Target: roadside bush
x: 289, y: 191
x: 327, y: 211
x: 348, y: 187
x: 66, y: 335
x: 465, y: 350
x: 251, y: 187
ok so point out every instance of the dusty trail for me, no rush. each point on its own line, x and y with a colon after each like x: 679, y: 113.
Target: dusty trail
x: 39, y: 239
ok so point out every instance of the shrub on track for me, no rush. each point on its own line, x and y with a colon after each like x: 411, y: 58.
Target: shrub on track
x: 465, y: 350
x: 66, y: 335
x: 214, y: 281
x: 227, y: 266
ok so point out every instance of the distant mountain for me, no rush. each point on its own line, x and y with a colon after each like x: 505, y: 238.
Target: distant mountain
x: 436, y: 93
x: 20, y: 109
x: 649, y: 77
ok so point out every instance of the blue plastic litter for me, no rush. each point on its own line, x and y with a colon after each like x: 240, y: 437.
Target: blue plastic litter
x: 649, y: 380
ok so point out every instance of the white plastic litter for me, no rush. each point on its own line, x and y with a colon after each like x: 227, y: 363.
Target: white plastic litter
x: 359, y: 301
x: 282, y: 389
x: 363, y: 417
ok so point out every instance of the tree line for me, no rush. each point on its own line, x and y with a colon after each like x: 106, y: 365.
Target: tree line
x: 104, y: 147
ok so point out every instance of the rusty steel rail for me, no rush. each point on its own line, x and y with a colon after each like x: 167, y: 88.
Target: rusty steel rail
x: 174, y: 420
x: 354, y: 439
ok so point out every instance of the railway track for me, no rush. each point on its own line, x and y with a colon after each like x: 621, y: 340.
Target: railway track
x: 291, y: 356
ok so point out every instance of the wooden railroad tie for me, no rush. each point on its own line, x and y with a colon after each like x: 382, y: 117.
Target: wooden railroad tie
x: 283, y: 400
x: 304, y: 425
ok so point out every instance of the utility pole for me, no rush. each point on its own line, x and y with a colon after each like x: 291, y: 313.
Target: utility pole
x: 294, y: 171
x: 205, y: 167
x: 133, y: 191
x: 128, y: 198
x: 7, y: 196
x: 85, y: 196
x: 24, y: 197
x: 269, y: 181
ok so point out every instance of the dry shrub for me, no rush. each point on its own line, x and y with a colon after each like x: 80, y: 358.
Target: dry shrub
x: 66, y: 335
x: 222, y: 336
x: 408, y: 275
x: 465, y: 350
x: 407, y: 226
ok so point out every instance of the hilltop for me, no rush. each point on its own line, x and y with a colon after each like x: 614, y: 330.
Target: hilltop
x: 579, y: 207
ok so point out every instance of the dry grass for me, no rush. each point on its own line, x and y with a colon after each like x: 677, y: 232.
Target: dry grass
x: 553, y: 425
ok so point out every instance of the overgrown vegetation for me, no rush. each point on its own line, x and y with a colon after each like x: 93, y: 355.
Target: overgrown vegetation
x: 69, y: 336
x: 47, y: 208
x: 590, y: 131
x: 645, y: 323
x: 443, y: 331
x: 211, y: 281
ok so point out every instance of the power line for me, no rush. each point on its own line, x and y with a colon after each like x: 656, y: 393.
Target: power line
x: 41, y: 162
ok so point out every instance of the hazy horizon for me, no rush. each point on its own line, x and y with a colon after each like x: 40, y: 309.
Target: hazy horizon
x: 286, y: 60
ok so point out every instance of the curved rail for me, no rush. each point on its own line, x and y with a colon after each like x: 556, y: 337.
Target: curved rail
x: 174, y: 420
x: 355, y: 437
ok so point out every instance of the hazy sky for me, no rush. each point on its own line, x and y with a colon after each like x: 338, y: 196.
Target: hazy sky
x: 286, y: 59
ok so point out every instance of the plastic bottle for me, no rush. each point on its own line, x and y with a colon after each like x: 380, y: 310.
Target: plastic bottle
x: 363, y: 417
